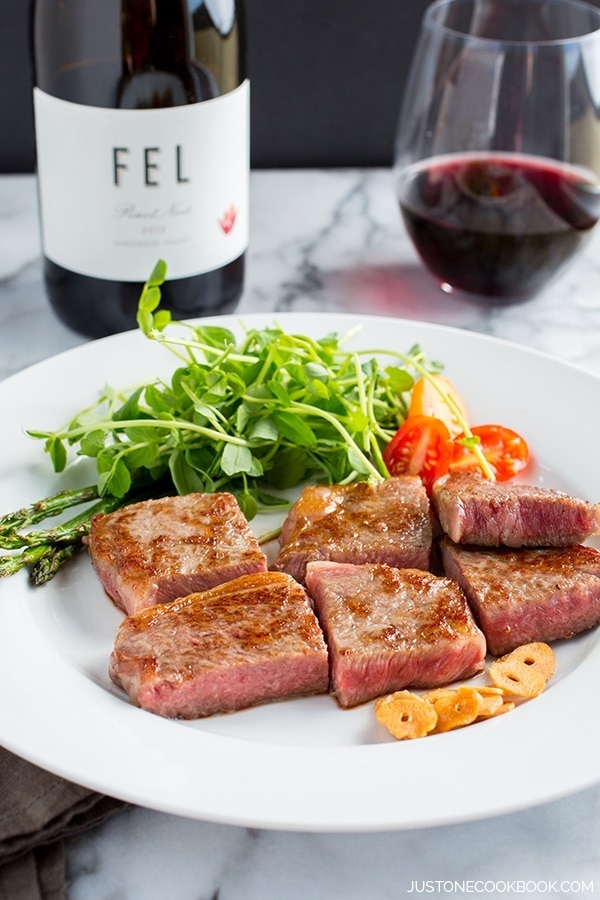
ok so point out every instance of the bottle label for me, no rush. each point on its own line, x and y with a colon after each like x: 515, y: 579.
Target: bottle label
x: 120, y: 189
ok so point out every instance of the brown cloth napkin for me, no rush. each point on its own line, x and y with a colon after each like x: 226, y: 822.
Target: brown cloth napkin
x: 37, y: 811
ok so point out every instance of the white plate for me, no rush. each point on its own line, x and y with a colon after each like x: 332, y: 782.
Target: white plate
x: 304, y: 764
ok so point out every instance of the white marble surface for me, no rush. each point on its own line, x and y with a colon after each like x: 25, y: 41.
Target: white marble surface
x: 328, y: 241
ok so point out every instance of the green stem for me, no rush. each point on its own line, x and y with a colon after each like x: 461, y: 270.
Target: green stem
x: 44, y: 509
x: 46, y: 568
x: 37, y: 546
x: 72, y: 530
x: 306, y: 410
x: 268, y: 536
x: 10, y: 565
x: 121, y: 424
x: 474, y: 442
x: 206, y: 349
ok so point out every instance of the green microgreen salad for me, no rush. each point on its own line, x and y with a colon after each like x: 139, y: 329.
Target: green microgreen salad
x: 254, y: 416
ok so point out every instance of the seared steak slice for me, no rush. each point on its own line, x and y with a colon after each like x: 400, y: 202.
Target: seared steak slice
x: 519, y: 596
x: 388, y: 522
x: 249, y: 641
x: 157, y: 550
x: 472, y: 510
x: 389, y: 628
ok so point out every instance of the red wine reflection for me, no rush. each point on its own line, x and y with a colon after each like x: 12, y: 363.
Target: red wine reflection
x: 498, y: 224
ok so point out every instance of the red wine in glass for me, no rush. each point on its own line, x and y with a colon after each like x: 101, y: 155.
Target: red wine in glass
x: 498, y: 224
x: 497, y: 151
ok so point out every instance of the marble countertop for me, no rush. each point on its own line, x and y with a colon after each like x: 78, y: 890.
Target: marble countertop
x: 327, y: 241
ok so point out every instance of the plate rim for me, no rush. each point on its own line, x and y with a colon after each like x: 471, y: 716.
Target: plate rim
x: 342, y: 819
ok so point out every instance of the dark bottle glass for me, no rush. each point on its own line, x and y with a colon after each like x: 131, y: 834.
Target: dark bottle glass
x: 134, y: 165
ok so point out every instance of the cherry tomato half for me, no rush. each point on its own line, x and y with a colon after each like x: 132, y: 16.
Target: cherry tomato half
x: 505, y: 450
x: 426, y: 400
x: 421, y: 446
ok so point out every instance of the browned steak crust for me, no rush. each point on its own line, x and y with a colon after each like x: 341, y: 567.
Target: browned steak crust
x: 388, y: 522
x: 388, y: 628
x: 472, y: 510
x: 157, y: 550
x: 519, y: 596
x: 252, y: 640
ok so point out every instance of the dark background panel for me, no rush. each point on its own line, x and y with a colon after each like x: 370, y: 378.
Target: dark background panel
x: 327, y: 76
x: 16, y: 118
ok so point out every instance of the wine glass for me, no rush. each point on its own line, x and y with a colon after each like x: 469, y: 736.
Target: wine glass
x: 497, y: 155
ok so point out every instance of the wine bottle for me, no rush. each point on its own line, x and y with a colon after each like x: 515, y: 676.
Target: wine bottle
x: 142, y: 140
